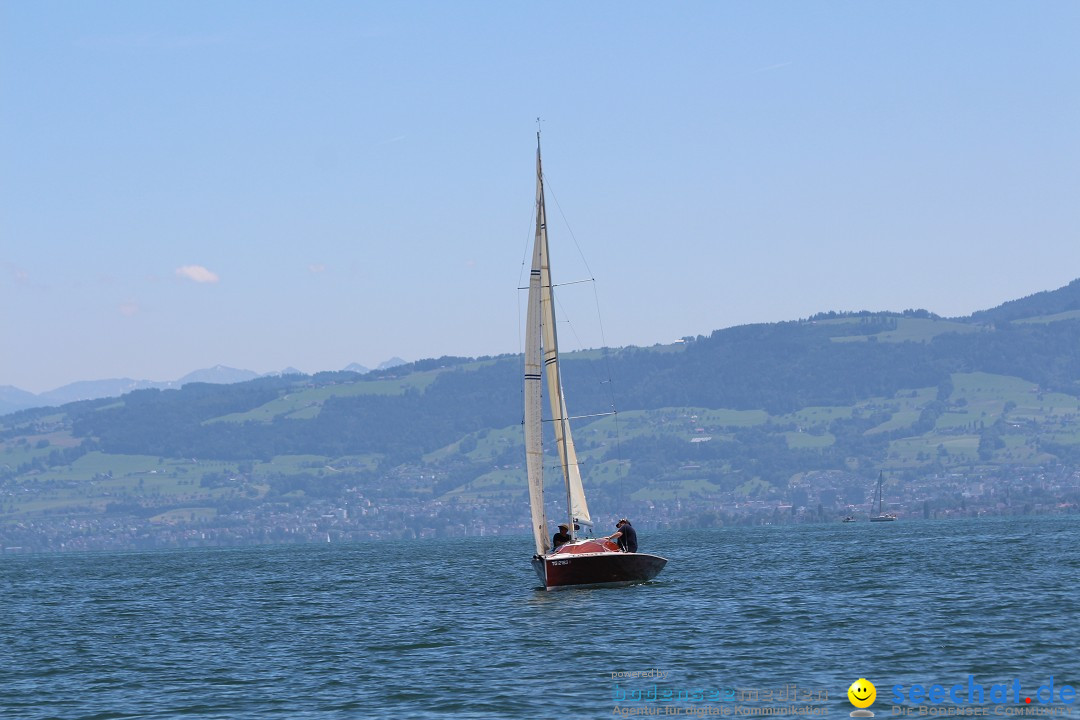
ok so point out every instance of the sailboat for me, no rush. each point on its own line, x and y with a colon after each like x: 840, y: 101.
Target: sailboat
x: 881, y: 516
x: 582, y: 562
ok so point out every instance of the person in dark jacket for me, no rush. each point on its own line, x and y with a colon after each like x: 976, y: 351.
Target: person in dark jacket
x: 626, y: 536
x: 560, y: 538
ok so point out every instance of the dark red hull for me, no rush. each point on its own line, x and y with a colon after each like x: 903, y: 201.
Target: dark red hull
x: 595, y: 564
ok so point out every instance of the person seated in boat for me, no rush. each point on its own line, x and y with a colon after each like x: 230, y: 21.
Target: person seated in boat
x: 560, y: 538
x: 626, y: 536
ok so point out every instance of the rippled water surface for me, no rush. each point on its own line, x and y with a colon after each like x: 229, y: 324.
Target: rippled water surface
x: 458, y: 629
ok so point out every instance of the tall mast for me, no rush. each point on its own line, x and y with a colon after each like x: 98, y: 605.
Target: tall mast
x: 550, y: 343
x: 576, y: 508
x: 542, y: 356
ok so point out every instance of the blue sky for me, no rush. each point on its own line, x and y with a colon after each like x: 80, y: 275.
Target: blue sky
x: 272, y: 184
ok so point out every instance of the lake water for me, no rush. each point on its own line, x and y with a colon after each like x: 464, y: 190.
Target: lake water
x: 430, y: 629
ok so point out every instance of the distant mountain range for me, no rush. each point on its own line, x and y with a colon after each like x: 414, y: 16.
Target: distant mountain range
x: 1047, y: 306
x: 13, y: 398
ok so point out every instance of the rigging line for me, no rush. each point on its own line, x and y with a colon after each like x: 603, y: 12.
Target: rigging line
x: 604, y: 350
x: 569, y: 229
x: 524, y: 258
x: 559, y: 466
x: 618, y: 464
x: 606, y: 353
x: 529, y: 235
x: 521, y: 354
x: 581, y: 417
x: 558, y: 285
x: 596, y: 296
x: 581, y: 346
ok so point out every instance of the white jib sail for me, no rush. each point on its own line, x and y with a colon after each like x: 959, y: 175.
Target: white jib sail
x: 578, y: 507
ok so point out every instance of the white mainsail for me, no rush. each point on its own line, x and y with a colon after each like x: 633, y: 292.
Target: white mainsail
x: 541, y: 342
x: 534, y: 453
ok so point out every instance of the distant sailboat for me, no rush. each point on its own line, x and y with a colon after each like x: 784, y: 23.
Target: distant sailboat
x: 881, y: 515
x: 585, y: 562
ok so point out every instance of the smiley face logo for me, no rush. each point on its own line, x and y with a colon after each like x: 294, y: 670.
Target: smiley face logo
x: 862, y: 693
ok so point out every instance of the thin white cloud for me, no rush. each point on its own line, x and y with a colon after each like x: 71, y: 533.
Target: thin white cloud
x: 316, y: 268
x: 150, y: 41
x: 768, y: 68
x: 19, y: 275
x: 128, y: 309
x: 197, y: 273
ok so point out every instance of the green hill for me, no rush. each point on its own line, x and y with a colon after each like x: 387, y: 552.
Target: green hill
x: 753, y: 413
x: 1048, y: 302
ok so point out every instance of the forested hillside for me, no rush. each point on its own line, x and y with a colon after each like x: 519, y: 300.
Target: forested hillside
x: 756, y: 411
x: 781, y: 368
